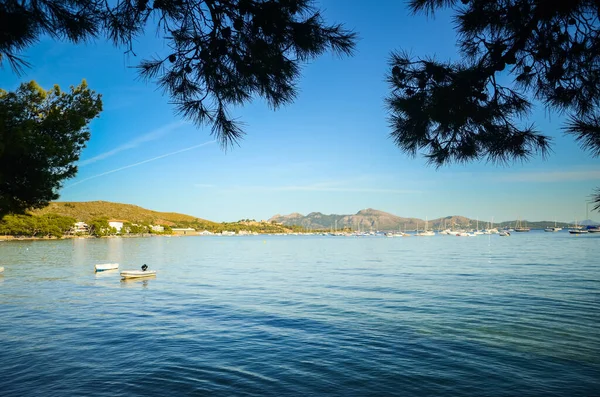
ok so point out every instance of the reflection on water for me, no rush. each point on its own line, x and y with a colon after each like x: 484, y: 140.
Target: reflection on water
x: 128, y: 282
x: 114, y: 252
x: 80, y: 252
x: 107, y: 273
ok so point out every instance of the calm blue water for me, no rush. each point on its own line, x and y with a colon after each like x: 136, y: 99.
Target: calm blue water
x: 269, y: 316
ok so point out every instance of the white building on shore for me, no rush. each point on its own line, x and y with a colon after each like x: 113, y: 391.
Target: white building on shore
x: 116, y: 223
x: 183, y: 230
x: 157, y: 228
x: 80, y: 227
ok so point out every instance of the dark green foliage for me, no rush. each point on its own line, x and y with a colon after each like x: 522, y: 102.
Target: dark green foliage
x: 460, y: 111
x: 36, y: 226
x: 258, y: 227
x: 23, y: 22
x: 596, y: 200
x: 129, y: 228
x: 41, y: 136
x: 100, y: 227
x: 223, y: 52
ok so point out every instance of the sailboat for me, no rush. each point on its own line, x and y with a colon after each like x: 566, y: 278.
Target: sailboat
x: 477, y: 231
x: 578, y: 229
x: 553, y: 229
x: 426, y: 233
x: 520, y: 228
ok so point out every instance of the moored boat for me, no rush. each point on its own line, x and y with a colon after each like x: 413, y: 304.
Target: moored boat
x: 553, y: 229
x: 465, y: 234
x: 425, y: 232
x: 106, y: 266
x: 137, y: 273
x: 578, y: 231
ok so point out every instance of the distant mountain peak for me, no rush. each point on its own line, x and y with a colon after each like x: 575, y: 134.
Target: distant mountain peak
x: 373, y: 212
x: 587, y: 222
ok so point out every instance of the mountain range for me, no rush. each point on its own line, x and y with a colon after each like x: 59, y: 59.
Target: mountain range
x: 367, y: 219
x: 371, y: 219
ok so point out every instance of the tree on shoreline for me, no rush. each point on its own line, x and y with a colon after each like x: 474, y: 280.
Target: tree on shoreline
x: 49, y: 225
x: 222, y: 52
x: 42, y: 134
x: 461, y: 111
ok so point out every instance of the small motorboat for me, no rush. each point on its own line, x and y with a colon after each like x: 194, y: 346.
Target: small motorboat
x: 106, y: 266
x: 138, y: 273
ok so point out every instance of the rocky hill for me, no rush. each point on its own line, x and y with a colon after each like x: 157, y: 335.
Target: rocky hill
x: 371, y: 219
x: 367, y: 219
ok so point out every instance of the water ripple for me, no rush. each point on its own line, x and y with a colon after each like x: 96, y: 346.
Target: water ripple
x: 302, y: 316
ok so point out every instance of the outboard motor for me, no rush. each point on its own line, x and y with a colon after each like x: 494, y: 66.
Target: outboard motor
x: 144, y: 267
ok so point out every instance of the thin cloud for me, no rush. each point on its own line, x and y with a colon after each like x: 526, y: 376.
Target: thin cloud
x: 326, y: 187
x: 552, y: 176
x: 151, y: 136
x: 140, y: 163
x: 342, y: 189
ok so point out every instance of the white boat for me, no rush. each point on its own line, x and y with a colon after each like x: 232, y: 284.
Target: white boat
x: 504, y: 233
x: 1, y: 269
x: 426, y: 233
x: 137, y: 273
x: 553, y: 229
x: 465, y: 234
x: 106, y: 266
x: 577, y: 229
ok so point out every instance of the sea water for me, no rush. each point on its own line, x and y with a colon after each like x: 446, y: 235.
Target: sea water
x: 303, y: 315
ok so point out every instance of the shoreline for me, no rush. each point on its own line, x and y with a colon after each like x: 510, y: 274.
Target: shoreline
x: 25, y: 238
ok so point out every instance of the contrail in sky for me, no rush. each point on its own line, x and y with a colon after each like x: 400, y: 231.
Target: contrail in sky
x: 140, y: 163
x: 151, y: 136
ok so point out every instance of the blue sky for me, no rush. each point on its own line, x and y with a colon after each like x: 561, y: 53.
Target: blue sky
x: 329, y: 151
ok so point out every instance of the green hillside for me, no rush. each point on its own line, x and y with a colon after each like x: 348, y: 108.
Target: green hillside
x: 94, y: 210
x: 88, y: 210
